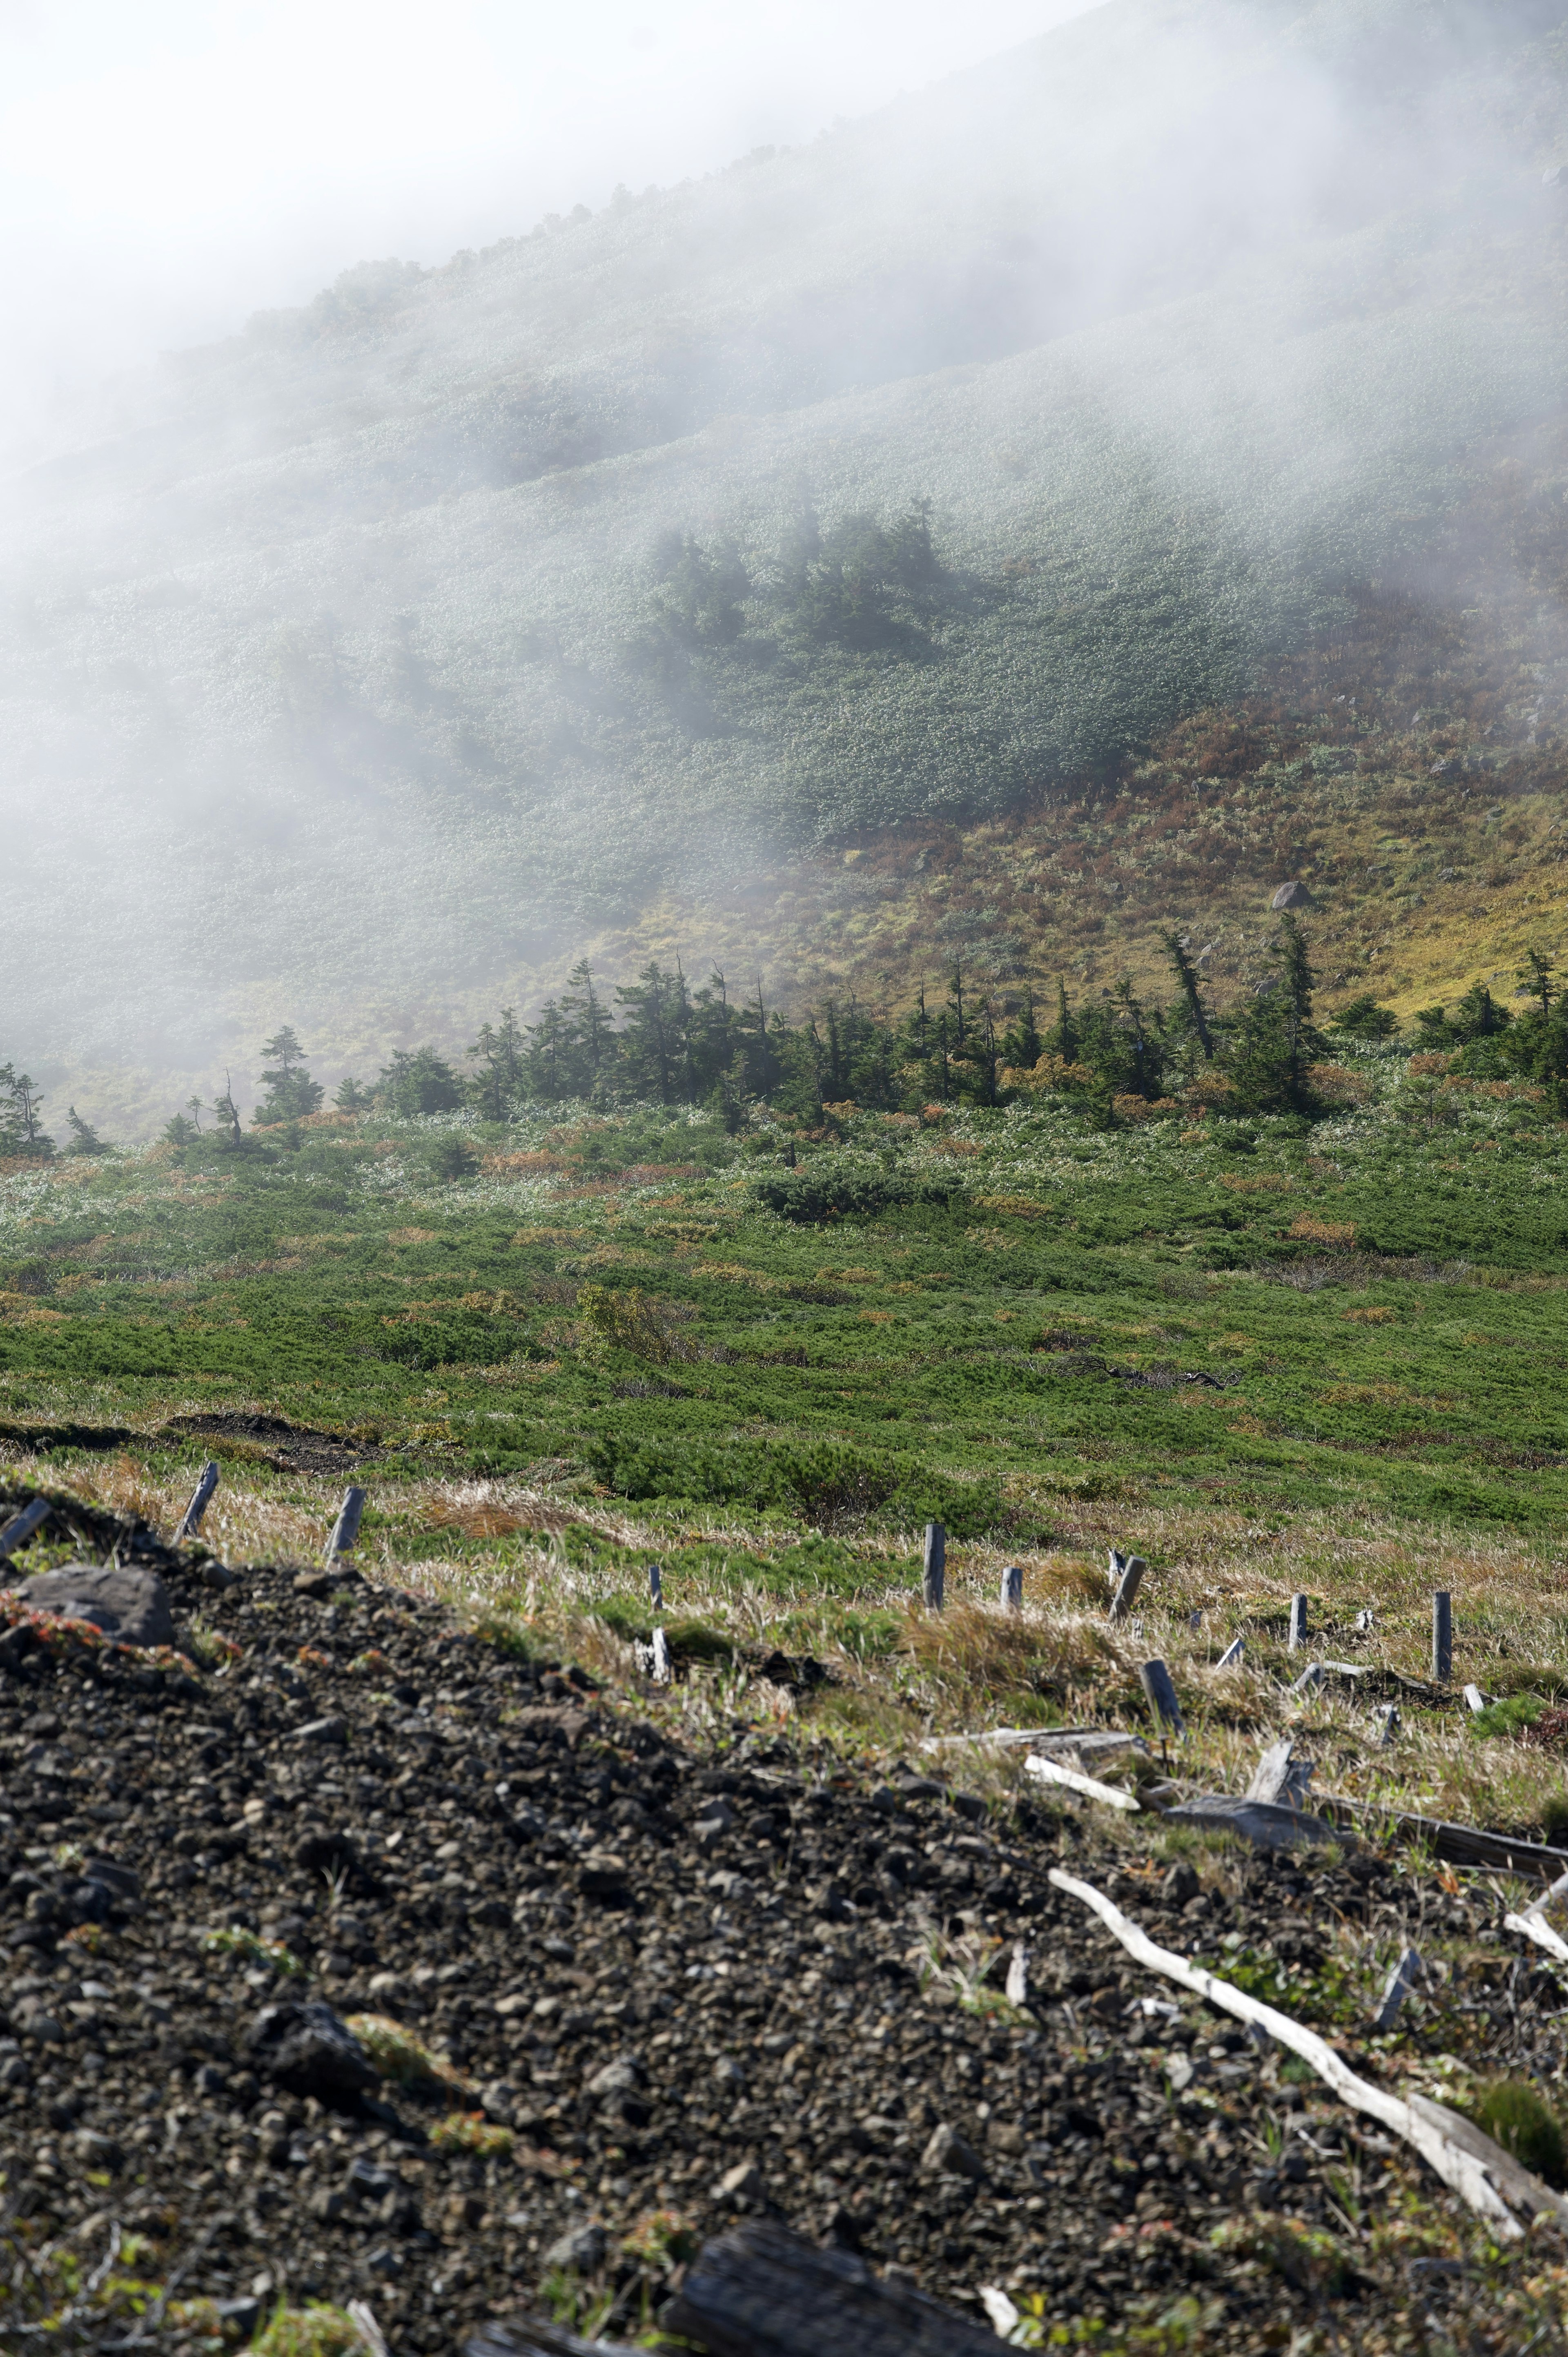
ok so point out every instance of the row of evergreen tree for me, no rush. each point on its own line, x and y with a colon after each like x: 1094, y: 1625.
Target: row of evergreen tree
x: 657, y: 1040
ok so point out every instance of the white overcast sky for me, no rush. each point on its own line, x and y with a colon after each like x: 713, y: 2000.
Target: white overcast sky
x: 168, y: 166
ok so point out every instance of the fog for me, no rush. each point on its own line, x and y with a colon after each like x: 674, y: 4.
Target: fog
x: 167, y: 170
x: 367, y: 661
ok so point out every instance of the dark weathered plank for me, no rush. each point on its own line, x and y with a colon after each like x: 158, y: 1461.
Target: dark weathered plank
x: 1460, y: 1844
x: 762, y: 2292
x: 536, y: 2336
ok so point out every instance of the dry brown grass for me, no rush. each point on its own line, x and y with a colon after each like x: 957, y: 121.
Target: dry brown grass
x: 976, y: 1665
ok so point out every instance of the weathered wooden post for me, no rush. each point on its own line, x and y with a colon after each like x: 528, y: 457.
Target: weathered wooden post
x: 200, y: 1499
x: 25, y: 1525
x: 660, y: 1659
x: 1127, y: 1585
x: 1012, y: 1588
x: 1297, y: 1624
x: 935, y: 1566
x: 1233, y: 1656
x: 1442, y: 1636
x: 656, y: 1587
x: 1396, y: 1988
x: 345, y: 1529
x: 1160, y: 1688
x: 1017, y: 1991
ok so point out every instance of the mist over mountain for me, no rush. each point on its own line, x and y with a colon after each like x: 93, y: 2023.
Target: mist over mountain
x: 359, y: 668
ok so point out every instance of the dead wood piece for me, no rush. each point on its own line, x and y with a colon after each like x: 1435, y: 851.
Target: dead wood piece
x: 1532, y: 1922
x: 1272, y: 1773
x: 536, y: 2336
x: 1396, y: 1988
x: 1459, y: 1845
x: 760, y: 2291
x: 1474, y: 2173
x: 1271, y: 1825
x: 1512, y: 2179
x: 1051, y: 1772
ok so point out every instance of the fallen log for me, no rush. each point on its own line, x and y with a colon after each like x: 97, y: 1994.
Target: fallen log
x: 761, y: 2291
x: 1051, y: 1772
x: 1472, y: 2165
x: 1532, y: 1922
x: 1459, y: 1845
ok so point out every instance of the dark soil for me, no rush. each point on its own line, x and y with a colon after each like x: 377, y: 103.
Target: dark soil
x: 535, y: 1881
x: 288, y: 1448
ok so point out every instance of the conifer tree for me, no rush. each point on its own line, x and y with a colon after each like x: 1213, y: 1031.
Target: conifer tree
x: 291, y: 1092
x: 85, y: 1138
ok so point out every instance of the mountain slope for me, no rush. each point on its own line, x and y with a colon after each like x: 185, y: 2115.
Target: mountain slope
x: 407, y: 643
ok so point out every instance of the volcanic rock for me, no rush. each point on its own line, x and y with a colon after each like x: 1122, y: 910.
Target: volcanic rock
x: 131, y: 1607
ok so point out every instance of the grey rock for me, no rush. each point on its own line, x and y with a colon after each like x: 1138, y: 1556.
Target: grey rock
x: 615, y: 2079
x: 948, y: 2151
x: 1293, y: 895
x: 120, y: 1882
x: 744, y: 2182
x: 716, y: 1821
x: 307, y: 2048
x: 131, y: 1607
x: 581, y: 2248
x: 321, y: 1730
x: 727, y: 2073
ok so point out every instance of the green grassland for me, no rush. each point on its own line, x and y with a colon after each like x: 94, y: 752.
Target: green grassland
x: 1262, y: 1313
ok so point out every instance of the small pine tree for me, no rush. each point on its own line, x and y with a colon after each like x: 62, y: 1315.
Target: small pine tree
x: 291, y: 1092
x: 352, y: 1097
x: 85, y: 1138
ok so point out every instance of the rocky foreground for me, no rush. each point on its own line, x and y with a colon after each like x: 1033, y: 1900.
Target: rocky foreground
x: 350, y: 1958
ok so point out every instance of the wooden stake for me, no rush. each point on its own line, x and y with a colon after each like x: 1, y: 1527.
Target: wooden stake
x: 25, y: 1524
x: 1127, y: 1586
x: 1442, y: 1636
x: 346, y: 1530
x: 662, y: 1670
x: 1160, y: 1688
x: 1233, y: 1656
x: 656, y: 1587
x: 1012, y: 1588
x: 1297, y: 1624
x: 935, y: 1566
x: 1396, y: 1988
x: 200, y: 1499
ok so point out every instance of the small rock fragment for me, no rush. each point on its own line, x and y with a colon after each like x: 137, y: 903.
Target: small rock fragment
x: 948, y: 2151
x: 581, y: 2249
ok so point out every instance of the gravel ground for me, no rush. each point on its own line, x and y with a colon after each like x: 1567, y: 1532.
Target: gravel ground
x: 682, y: 1985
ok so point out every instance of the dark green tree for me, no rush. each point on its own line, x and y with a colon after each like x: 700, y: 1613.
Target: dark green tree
x: 417, y: 1082
x: 228, y: 1111
x: 352, y: 1096
x: 1022, y: 1045
x: 1363, y: 1018
x: 1278, y: 1042
x: 22, y: 1131
x: 499, y: 1052
x: 1064, y: 1040
x: 655, y: 1037
x: 1537, y: 976
x: 85, y: 1138
x: 291, y: 1092
x: 1189, y: 984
